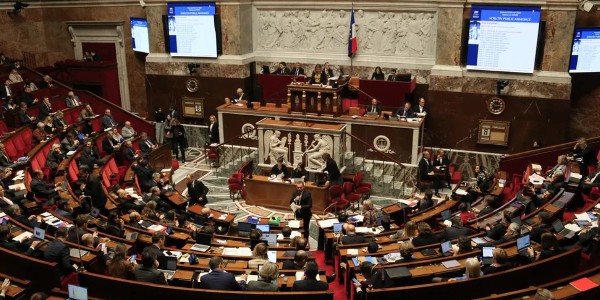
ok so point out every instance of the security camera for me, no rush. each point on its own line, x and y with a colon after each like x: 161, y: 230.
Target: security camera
x: 142, y: 3
x: 500, y: 85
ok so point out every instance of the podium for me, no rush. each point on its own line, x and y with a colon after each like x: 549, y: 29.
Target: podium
x: 314, y: 100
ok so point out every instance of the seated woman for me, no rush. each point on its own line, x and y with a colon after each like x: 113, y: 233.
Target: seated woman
x: 378, y: 74
x: 408, y: 232
x: 472, y: 270
x: 55, y: 156
x: 259, y: 256
x: 280, y: 168
x: 115, y: 225
x: 465, y: 214
x: 406, y: 251
x: 150, y: 211
x: 499, y: 263
x: 318, y: 76
x: 39, y: 134
x: 333, y: 171
x: 119, y: 266
x: 59, y: 122
x: 171, y: 218
x: 267, y: 275
x: 481, y: 185
x: 426, y: 236
x: 300, y: 172
x: 369, y: 214
x: 561, y: 165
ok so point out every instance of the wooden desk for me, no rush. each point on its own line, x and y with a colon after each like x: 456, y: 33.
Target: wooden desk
x: 261, y: 191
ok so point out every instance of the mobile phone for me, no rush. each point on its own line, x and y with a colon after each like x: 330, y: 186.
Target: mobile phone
x: 103, y: 246
x: 6, y: 282
x: 355, y: 281
x: 132, y: 259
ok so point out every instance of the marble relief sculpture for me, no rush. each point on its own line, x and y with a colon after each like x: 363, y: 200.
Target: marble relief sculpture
x: 276, y: 148
x: 321, y: 144
x: 379, y: 33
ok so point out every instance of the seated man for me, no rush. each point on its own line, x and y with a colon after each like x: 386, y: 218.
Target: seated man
x: 427, y: 201
x: 309, y: 281
x: 197, y: 191
x: 280, y: 168
x: 127, y: 131
x: 40, y: 189
x: 69, y: 143
x: 351, y: 237
x: 129, y: 152
x: 592, y: 180
x: 426, y: 172
x: 218, y: 279
x: 144, y: 174
x: 405, y: 111
x: 14, y: 211
x: 146, y: 145
x: 24, y: 117
x: 14, y: 76
x: 282, y: 69
x: 300, y: 259
x: 300, y: 245
x: 109, y: 145
x: 73, y: 100
x: 240, y: 96
x: 64, y: 209
x: 374, y: 107
x: 147, y: 272
x: 25, y: 247
x: 58, y: 252
x: 442, y: 162
x: 126, y: 203
x: 107, y: 120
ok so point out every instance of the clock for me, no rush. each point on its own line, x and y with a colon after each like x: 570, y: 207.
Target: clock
x: 496, y: 106
x: 192, y: 85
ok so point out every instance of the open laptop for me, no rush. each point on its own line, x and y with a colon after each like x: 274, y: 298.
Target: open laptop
x: 488, y: 256
x: 132, y: 236
x: 244, y: 229
x: 561, y: 230
x: 39, y: 234
x: 272, y: 256
x: 77, y: 292
x: 167, y: 265
x: 522, y: 244
x: 447, y: 248
x: 94, y: 213
x: 446, y: 215
x: 203, y: 241
x: 264, y: 228
x: 271, y: 238
x: 337, y: 227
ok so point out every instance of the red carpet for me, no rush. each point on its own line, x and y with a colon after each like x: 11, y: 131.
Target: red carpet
x: 338, y: 289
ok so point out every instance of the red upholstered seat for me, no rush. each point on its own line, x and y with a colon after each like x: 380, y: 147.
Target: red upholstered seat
x: 19, y: 145
x: 336, y: 198
x: 361, y: 187
x: 595, y: 193
x: 174, y: 165
x: 236, y: 184
x: 27, y: 136
x: 348, y: 195
x: 455, y: 176
x: 10, y: 149
x: 517, y: 182
x: 3, y: 127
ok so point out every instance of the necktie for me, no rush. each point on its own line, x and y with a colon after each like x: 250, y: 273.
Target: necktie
x: 8, y: 93
x: 148, y: 143
x: 297, y: 72
x: 7, y: 201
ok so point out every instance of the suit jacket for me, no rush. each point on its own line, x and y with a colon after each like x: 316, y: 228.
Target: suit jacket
x: 45, y: 110
x: 322, y: 80
x: 54, y: 159
x: 72, y: 102
x: 392, y: 77
x: 129, y: 154
x: 262, y: 285
x: 284, y: 71
x: 588, y: 155
x: 445, y: 161
x: 127, y: 133
x: 4, y: 93
x: 84, y: 115
x: 214, y: 132
x: 16, y: 247
x: 299, y: 71
x: 305, y: 203
x: 93, y: 188
x: 197, y: 191
x: 67, y: 145
x: 144, y: 175
x: 586, y: 239
x: 406, y: 113
x: 58, y: 252
x: 5, y: 160
x: 537, y: 231
x: 310, y: 285
x: 27, y: 98
x: 353, y: 239
x: 376, y: 76
x: 290, y: 265
x: 149, y: 275
x: 425, y: 166
x: 276, y: 171
x: 417, y: 109
x: 333, y: 172
x: 452, y: 233
x: 328, y: 73
x: 497, y: 231
x: 108, y: 122
x: 60, y: 123
x: 220, y: 280
x: 239, y: 98
x: 40, y: 189
x: 108, y: 145
x: 24, y: 117
x: 145, y: 147
x: 154, y: 249
x: 425, y: 239
x: 426, y: 203
x: 377, y: 109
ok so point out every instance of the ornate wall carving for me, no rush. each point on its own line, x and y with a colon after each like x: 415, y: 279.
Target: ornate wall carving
x: 409, y: 34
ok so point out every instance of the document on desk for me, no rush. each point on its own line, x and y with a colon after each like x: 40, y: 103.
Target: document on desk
x: 295, y: 224
x: 352, y: 252
x: 327, y: 223
x: 583, y: 216
x: 245, y: 251
x: 21, y: 186
x: 222, y: 217
x: 410, y: 203
x: 250, y: 278
x: 357, y: 218
x: 25, y: 235
x: 573, y: 227
x: 300, y: 275
x: 157, y: 227
x: 293, y: 235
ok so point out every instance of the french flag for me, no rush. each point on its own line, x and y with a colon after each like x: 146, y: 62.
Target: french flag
x: 352, y: 42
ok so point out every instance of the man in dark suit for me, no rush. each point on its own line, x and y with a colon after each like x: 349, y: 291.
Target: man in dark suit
x: 58, y: 252
x: 146, y: 145
x: 405, y: 111
x: 456, y: 230
x: 108, y: 121
x: 45, y: 109
x: 585, y: 155
x: 5, y: 161
x: 218, y: 279
x: 213, y: 128
x: 129, y: 152
x: 158, y: 242
x: 91, y: 187
x: 147, y: 272
x: 422, y: 108
x: 310, y: 282
x: 240, y: 96
x: 69, y: 143
x: 73, y: 100
x: 351, y: 237
x: 586, y: 237
x: 8, y: 243
x: 14, y: 211
x: 542, y: 224
x: 442, y: 162
x: 40, y: 189
x: 282, y: 70
x: 393, y: 76
x: 27, y: 97
x: 144, y: 174
x: 196, y: 191
x: 302, y: 203
x: 327, y: 70
x: 300, y: 259
x: 297, y: 70
x: 374, y: 107
x: 24, y: 117
x: 592, y: 180
x: 426, y: 172
x: 109, y: 145
x: 427, y: 201
x: 6, y: 92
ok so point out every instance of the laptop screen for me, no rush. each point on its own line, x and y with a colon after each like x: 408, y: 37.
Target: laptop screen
x: 264, y: 228
x: 243, y: 226
x: 272, y: 255
x: 203, y: 239
x: 337, y: 227
x: 167, y: 263
x: 446, y: 214
x: 77, y: 292
x: 557, y: 225
x: 446, y: 246
x: 488, y: 251
x: 523, y: 242
x: 39, y: 233
x: 271, y: 238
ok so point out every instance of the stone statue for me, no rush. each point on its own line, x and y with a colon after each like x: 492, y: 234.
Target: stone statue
x: 318, y: 147
x: 276, y: 147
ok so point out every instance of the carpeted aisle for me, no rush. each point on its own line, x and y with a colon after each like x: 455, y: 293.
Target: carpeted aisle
x: 335, y: 286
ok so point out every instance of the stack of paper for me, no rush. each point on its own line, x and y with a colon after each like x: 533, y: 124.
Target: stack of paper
x: 25, y: 235
x: 245, y: 251
x: 294, y: 234
x: 410, y: 202
x: 295, y: 224
x: 300, y: 276
x: 352, y: 252
x: 373, y: 230
x: 392, y: 257
x: 157, y: 227
x: 21, y: 186
x: 327, y: 223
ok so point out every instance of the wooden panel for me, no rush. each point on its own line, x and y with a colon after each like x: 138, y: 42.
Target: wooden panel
x: 260, y: 191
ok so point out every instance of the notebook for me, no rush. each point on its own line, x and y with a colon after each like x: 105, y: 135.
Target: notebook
x: 398, y: 272
x: 583, y: 284
x: 428, y: 252
x: 39, y: 234
x: 488, y: 256
x: 132, y: 236
x: 76, y: 253
x: 77, y: 292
